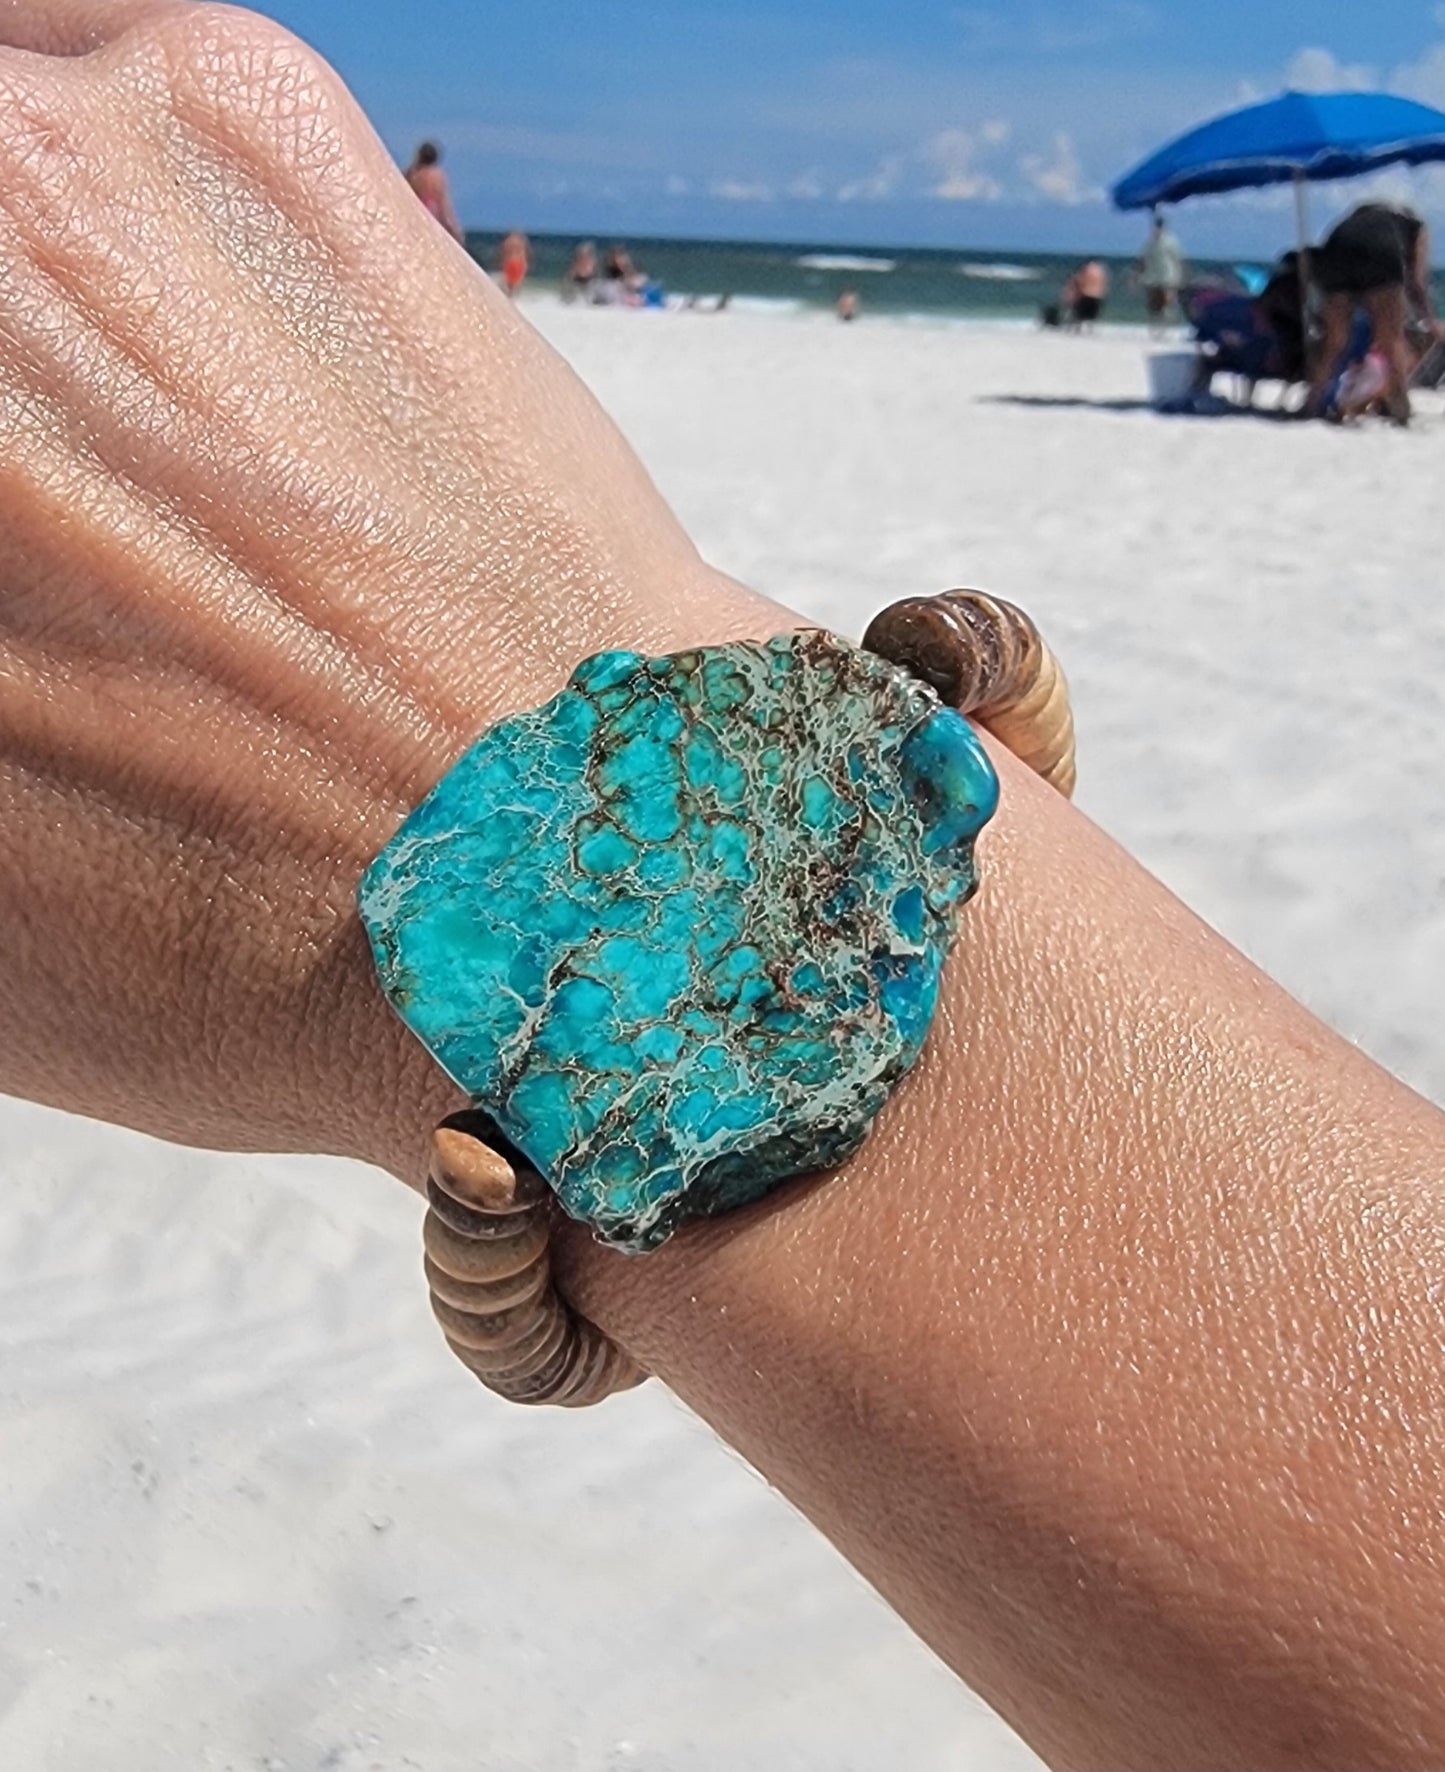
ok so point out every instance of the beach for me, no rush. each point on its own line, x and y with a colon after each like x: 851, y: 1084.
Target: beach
x: 257, y: 1517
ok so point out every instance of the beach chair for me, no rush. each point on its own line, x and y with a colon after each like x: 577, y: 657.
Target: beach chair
x: 1232, y: 340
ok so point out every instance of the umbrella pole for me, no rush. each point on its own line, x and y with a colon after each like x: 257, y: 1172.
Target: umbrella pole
x: 1302, y: 229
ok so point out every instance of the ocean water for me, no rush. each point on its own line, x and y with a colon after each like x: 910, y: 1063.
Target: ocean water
x: 887, y: 280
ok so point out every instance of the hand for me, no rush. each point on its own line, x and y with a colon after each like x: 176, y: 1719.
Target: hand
x: 291, y: 504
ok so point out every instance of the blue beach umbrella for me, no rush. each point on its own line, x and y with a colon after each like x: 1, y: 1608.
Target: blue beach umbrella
x: 1296, y: 137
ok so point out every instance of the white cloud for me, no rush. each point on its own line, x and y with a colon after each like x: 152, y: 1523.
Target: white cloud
x: 875, y: 186
x: 952, y: 154
x: 1427, y: 190
x: 677, y: 187
x: 1315, y: 69
x: 808, y: 186
x: 1421, y: 187
x: 1267, y: 199
x: 1319, y: 70
x: 1060, y: 177
x: 740, y: 190
x: 1424, y: 78
x: 995, y: 132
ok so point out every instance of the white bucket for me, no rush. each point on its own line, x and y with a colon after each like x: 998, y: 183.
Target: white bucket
x: 1171, y: 377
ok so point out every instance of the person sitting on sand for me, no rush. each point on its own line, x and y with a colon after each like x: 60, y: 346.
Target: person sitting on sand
x: 514, y: 260
x: 427, y: 179
x: 1378, y: 260
x: 581, y: 273
x: 1085, y: 294
x: 622, y: 282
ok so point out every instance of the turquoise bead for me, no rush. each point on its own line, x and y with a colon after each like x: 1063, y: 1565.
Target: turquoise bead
x: 680, y: 930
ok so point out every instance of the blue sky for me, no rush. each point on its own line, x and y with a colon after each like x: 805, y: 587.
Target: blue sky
x: 835, y: 120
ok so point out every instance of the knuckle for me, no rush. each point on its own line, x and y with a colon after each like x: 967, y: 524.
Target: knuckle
x: 249, y: 85
x: 238, y: 61
x: 213, y: 36
x: 43, y: 136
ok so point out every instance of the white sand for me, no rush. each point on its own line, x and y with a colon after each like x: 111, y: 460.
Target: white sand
x: 254, y: 1516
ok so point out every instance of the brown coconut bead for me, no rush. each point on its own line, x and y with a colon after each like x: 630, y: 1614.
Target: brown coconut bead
x: 480, y: 1259
x: 486, y: 1237
x: 987, y: 659
x: 470, y: 1172
x: 494, y: 1296
x: 514, y: 1360
x: 485, y: 1226
x: 489, y: 1331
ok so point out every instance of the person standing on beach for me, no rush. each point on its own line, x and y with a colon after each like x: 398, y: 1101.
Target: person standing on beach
x: 427, y: 179
x: 514, y: 260
x: 1160, y: 269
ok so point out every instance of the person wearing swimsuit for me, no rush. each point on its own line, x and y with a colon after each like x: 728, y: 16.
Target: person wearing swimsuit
x: 514, y: 259
x: 1088, y: 290
x: 427, y: 179
x: 581, y: 274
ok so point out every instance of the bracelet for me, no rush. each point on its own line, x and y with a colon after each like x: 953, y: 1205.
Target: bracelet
x: 986, y: 658
x: 678, y: 933
x: 485, y: 1236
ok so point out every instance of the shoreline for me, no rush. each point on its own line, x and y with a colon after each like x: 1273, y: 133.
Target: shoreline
x: 951, y: 283
x: 538, y: 297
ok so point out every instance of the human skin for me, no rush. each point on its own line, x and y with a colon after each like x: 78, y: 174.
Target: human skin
x: 1114, y: 1359
x: 1387, y: 313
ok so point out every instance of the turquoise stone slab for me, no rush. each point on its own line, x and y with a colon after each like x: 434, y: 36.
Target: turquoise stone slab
x: 680, y: 930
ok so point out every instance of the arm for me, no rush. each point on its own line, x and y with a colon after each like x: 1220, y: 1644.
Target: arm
x: 1113, y: 1358
x: 445, y: 213
x: 1417, y: 282
x: 449, y: 215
